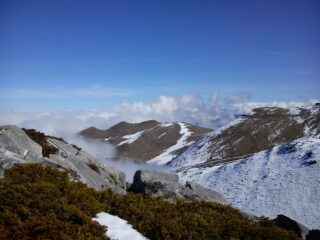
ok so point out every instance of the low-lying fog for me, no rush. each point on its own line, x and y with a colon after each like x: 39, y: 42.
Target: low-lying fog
x: 104, y: 152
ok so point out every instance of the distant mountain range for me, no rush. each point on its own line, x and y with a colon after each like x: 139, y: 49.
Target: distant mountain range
x: 263, y: 129
x: 265, y: 163
x: 148, y: 141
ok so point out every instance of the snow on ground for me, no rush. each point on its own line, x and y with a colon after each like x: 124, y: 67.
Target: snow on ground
x: 167, y: 155
x: 161, y: 135
x: 118, y: 229
x: 198, y: 152
x: 283, y: 180
x: 130, y: 138
x: 166, y: 124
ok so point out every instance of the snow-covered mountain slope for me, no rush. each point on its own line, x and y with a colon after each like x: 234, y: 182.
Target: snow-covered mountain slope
x: 282, y: 180
x: 150, y: 140
x: 265, y: 163
x: 251, y: 133
x: 118, y: 229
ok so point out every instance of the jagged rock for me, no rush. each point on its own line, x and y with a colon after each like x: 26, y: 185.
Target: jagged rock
x: 17, y: 147
x: 167, y: 185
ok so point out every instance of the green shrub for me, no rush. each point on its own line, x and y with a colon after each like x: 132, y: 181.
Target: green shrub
x: 38, y: 202
x: 159, y: 219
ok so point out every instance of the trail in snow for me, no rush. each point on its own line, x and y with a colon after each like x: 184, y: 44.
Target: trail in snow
x: 118, y: 229
x: 167, y: 155
x: 130, y: 138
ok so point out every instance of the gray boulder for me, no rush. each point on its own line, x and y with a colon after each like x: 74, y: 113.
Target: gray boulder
x: 17, y: 147
x: 167, y: 185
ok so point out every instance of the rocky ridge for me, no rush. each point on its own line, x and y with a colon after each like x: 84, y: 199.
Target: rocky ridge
x: 17, y: 147
x: 263, y: 129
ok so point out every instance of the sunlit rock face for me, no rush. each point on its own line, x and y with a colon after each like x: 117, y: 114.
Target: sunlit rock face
x: 17, y: 147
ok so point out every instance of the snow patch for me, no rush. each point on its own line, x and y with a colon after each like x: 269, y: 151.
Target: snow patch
x: 294, y: 110
x: 161, y: 135
x: 167, y: 155
x: 166, y: 124
x: 118, y: 229
x: 130, y: 138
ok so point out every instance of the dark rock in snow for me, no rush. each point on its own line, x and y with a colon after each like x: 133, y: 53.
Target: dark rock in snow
x: 313, y: 235
x: 291, y: 225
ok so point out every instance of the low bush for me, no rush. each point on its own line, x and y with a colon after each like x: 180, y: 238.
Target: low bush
x: 38, y: 202
x: 159, y: 219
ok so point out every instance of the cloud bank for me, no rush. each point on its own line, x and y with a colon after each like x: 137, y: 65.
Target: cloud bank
x: 187, y: 108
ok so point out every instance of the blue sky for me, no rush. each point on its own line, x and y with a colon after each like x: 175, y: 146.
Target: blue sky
x: 80, y: 54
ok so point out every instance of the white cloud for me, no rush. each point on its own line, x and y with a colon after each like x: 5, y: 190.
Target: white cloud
x: 248, y: 107
x: 188, y: 108
x: 214, y: 97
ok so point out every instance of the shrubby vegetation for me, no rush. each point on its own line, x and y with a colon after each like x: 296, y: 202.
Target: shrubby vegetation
x: 39, y: 202
x: 41, y: 139
x: 158, y: 219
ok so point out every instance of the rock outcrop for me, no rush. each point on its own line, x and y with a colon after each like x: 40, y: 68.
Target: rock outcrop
x: 167, y: 185
x: 17, y: 147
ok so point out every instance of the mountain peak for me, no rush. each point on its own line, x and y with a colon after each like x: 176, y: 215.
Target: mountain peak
x: 147, y: 140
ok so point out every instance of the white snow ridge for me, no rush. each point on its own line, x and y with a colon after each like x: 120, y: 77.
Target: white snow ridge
x: 167, y: 155
x: 118, y: 229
